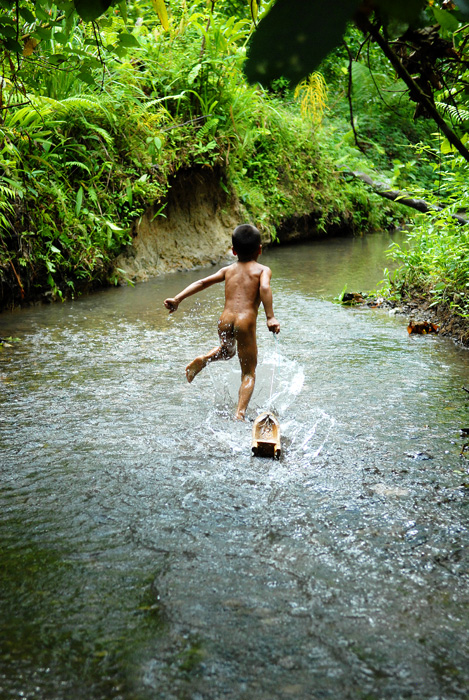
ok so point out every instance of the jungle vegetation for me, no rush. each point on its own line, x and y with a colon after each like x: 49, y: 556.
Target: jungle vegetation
x: 299, y: 110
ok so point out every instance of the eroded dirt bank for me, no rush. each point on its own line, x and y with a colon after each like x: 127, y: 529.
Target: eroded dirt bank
x: 193, y: 230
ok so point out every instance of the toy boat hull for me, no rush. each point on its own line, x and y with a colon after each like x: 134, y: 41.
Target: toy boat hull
x: 266, y: 436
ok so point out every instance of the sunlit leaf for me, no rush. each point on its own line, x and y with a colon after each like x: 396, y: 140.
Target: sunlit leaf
x: 160, y: 9
x: 128, y: 40
x: 254, y: 9
x: 79, y: 201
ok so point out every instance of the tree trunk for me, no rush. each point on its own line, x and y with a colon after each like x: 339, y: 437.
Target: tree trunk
x: 403, y: 198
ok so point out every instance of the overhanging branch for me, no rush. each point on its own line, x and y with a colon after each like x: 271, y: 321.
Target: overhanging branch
x: 403, y: 198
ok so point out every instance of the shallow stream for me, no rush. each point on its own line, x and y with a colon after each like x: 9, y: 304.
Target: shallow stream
x: 146, y: 554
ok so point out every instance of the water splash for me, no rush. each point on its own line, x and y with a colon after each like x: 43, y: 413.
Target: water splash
x: 288, y: 376
x: 304, y: 438
x: 304, y: 433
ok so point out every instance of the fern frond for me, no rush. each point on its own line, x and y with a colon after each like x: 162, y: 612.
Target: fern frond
x: 6, y: 193
x: 455, y: 113
x: 210, y: 125
x: 77, y: 164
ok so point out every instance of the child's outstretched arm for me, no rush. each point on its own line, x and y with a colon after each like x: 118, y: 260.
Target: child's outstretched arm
x: 173, y: 302
x: 267, y: 300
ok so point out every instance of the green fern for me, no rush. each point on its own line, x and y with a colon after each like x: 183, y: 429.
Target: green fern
x: 77, y: 164
x: 458, y: 115
x: 208, y: 128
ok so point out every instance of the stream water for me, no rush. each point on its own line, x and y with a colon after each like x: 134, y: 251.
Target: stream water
x: 146, y: 554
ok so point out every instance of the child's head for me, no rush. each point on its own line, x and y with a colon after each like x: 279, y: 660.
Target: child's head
x: 246, y: 241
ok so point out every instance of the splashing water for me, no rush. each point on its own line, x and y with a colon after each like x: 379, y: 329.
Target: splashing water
x: 279, y: 382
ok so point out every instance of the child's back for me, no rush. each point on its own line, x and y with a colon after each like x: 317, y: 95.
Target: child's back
x: 242, y: 286
x: 247, y: 284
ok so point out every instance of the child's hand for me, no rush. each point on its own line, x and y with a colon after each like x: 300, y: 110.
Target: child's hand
x: 273, y: 325
x: 171, y: 304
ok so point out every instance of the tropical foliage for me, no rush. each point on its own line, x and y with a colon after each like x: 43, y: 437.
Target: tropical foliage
x: 82, y: 158
x: 102, y: 102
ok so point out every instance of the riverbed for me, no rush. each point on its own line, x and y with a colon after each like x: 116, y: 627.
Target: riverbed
x: 147, y: 554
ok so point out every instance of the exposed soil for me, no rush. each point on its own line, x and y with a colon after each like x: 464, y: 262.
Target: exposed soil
x: 194, y: 229
x: 418, y: 311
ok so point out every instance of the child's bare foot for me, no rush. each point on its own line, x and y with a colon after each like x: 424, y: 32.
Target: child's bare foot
x: 194, y: 367
x: 239, y: 416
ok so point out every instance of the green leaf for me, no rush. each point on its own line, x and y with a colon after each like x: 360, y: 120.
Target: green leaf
x: 86, y: 77
x: 445, y: 19
x: 11, y: 45
x: 79, y: 201
x: 294, y: 37
x: 42, y: 33
x: 120, y: 51
x: 61, y: 37
x: 27, y: 15
x: 194, y: 73
x: 123, y: 10
x: 254, y: 9
x: 127, y: 40
x: 89, y: 10
x: 114, y: 227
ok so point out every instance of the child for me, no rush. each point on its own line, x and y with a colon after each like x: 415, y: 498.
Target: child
x: 247, y: 284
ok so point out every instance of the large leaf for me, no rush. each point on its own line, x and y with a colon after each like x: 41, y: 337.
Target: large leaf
x: 402, y: 10
x: 89, y: 10
x: 445, y: 19
x: 160, y: 9
x: 295, y: 36
x: 128, y: 40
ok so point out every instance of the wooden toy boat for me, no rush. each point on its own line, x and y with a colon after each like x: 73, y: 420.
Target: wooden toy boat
x: 266, y: 436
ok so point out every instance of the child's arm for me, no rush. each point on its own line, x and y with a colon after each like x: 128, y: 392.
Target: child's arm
x: 267, y: 300
x: 173, y: 303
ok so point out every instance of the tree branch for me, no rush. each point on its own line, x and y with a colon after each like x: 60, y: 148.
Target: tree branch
x: 403, y: 198
x: 349, y: 97
x: 416, y: 93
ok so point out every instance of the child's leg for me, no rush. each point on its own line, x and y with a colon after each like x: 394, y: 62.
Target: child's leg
x: 247, y: 353
x: 224, y: 351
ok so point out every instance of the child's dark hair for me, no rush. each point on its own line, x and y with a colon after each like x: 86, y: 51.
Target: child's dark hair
x: 246, y: 240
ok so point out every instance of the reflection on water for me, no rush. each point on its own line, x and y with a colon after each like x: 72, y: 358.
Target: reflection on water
x: 146, y: 554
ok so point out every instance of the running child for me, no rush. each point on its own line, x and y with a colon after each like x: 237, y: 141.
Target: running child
x: 247, y: 284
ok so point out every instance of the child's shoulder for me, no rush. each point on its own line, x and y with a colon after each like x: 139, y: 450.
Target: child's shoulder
x: 264, y: 268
